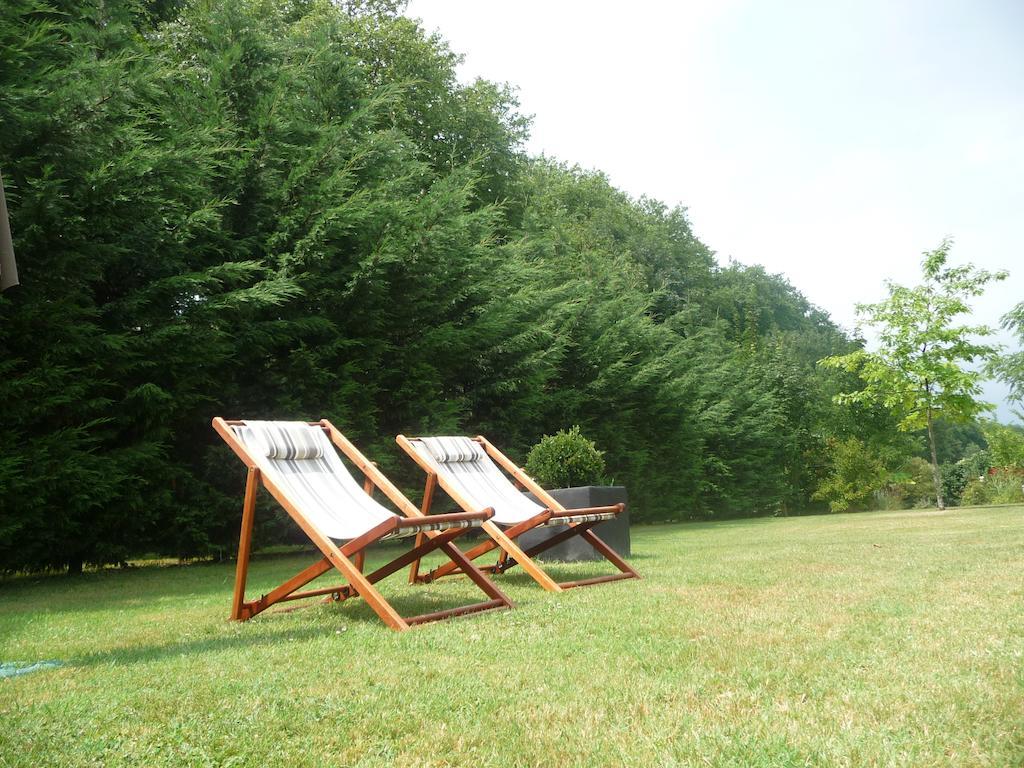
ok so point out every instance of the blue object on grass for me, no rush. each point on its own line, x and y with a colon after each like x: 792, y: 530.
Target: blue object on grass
x: 15, y: 668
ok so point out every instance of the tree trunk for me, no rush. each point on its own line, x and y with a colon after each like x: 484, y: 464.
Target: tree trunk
x: 75, y: 566
x: 936, y: 475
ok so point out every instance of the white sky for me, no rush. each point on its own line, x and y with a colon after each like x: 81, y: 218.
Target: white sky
x: 830, y: 141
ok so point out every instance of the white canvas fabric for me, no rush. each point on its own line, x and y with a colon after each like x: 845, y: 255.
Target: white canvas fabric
x: 301, y: 460
x: 8, y: 267
x: 478, y: 479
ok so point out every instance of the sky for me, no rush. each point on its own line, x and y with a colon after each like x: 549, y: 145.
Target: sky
x: 833, y: 142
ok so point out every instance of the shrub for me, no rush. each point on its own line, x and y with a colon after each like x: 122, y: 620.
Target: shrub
x: 565, y: 459
x: 954, y: 479
x: 1001, y: 487
x: 957, y: 477
x: 1005, y: 442
x: 856, y: 475
x: 976, y: 463
x: 911, y: 486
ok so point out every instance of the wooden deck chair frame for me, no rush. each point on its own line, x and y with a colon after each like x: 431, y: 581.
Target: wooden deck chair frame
x: 511, y: 554
x: 348, y: 558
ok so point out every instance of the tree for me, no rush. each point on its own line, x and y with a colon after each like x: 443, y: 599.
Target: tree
x: 133, y: 294
x: 1005, y: 443
x: 278, y: 209
x: 1010, y: 367
x: 856, y: 473
x: 918, y: 370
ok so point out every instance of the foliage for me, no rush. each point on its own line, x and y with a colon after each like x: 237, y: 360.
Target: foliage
x: 1010, y: 366
x: 956, y: 476
x: 856, y: 474
x: 565, y: 459
x: 911, y: 486
x: 976, y: 463
x: 954, y: 480
x: 1000, y: 486
x: 256, y: 208
x: 918, y: 371
x: 953, y: 440
x: 1005, y: 443
x: 134, y: 297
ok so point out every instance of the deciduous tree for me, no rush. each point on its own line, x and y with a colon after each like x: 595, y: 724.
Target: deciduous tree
x: 920, y: 367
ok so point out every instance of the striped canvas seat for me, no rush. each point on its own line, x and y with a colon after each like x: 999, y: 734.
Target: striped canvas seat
x: 587, y: 518
x: 301, y: 460
x: 468, y: 467
x: 472, y: 472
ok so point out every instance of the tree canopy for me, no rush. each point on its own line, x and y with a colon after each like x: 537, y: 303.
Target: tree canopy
x: 920, y: 368
x: 271, y: 209
x: 1010, y: 367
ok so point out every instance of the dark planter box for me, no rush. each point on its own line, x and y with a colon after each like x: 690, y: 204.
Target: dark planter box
x: 614, y: 533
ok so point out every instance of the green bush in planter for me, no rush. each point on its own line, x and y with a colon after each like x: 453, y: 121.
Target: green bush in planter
x: 565, y: 459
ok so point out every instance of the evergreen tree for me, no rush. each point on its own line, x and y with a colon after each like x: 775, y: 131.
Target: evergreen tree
x: 262, y: 209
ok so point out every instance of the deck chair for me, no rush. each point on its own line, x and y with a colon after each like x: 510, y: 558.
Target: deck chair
x: 297, y: 463
x: 469, y: 471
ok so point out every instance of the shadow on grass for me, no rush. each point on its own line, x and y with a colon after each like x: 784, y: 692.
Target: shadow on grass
x: 112, y: 590
x: 115, y: 588
x: 147, y: 653
x: 273, y: 627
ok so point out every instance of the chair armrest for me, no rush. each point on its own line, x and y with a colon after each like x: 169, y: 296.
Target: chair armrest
x: 454, y: 517
x: 616, y: 508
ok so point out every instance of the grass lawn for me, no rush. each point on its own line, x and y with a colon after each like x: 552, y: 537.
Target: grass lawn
x: 890, y: 638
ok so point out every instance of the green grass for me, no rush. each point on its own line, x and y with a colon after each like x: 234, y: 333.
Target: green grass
x: 891, y: 639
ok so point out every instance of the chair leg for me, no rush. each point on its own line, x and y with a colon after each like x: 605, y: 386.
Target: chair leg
x: 584, y: 531
x: 288, y: 590
x: 362, y: 585
x: 416, y: 552
x: 506, y: 541
x: 524, y: 560
x: 428, y: 498
x: 452, y: 568
x: 357, y: 581
x: 466, y: 565
x: 245, y: 542
x: 609, y: 553
x: 558, y: 538
x: 414, y: 569
x: 442, y: 541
